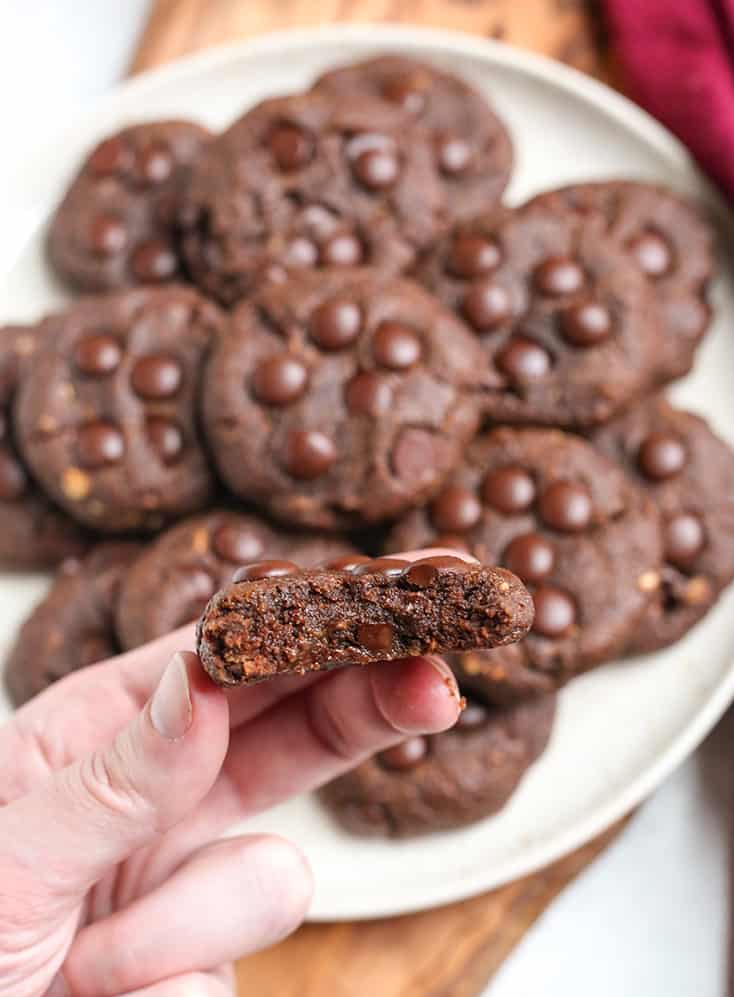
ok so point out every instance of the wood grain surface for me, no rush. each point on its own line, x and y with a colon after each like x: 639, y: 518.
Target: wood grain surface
x: 451, y: 951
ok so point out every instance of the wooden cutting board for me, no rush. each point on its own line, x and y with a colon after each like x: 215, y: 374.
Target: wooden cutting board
x: 451, y: 951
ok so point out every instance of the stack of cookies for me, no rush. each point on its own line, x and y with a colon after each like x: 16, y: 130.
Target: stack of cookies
x: 323, y: 333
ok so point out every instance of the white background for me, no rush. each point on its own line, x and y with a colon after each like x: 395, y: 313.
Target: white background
x: 649, y: 919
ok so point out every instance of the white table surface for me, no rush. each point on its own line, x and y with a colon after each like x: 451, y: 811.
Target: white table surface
x: 649, y: 919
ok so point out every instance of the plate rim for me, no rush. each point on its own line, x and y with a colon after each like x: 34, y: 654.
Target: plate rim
x: 629, y: 116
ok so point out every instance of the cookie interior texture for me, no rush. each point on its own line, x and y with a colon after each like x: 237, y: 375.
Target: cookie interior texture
x: 280, y: 619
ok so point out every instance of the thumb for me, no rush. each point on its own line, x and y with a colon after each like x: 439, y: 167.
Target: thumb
x: 93, y: 814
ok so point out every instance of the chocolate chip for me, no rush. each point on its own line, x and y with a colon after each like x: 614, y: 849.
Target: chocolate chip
x: 155, y: 164
x: 165, y: 437
x: 396, y: 346
x: 661, y: 456
x: 309, y: 453
x: 111, y: 158
x: 13, y: 479
x: 389, y: 566
x: 555, y: 611
x: 472, y: 255
x: 530, y: 557
x: 509, y: 490
x: 265, y: 569
x: 347, y: 562
x: 424, y: 572
x: 377, y: 169
x: 280, y: 380
x: 107, y: 235
x: 455, y: 510
x: 94, y: 647
x: 154, y: 261
x: 336, y: 324
x: 300, y: 252
x: 99, y: 443
x: 406, y: 755
x: 486, y: 305
x: 342, y: 250
x: 376, y: 636
x: 402, y: 90
x: 684, y: 539
x: 586, y: 324
x: 559, y: 276
x: 472, y: 717
x: 97, y: 355
x: 156, y: 377
x: 454, y: 155
x: 523, y: 360
x: 652, y: 254
x: 446, y: 561
x: 566, y: 506
x: 368, y: 394
x: 290, y: 147
x: 237, y: 544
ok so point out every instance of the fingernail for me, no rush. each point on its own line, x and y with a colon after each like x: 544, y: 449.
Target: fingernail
x: 170, y: 707
x: 58, y: 987
x: 446, y: 674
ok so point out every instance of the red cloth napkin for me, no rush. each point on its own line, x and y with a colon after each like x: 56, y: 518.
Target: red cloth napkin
x: 677, y: 57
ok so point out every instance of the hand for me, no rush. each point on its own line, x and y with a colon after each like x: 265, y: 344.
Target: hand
x: 115, y: 784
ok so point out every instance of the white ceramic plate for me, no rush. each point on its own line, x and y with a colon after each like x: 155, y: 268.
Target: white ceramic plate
x: 624, y: 727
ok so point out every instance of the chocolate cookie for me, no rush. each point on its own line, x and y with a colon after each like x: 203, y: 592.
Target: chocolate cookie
x: 341, y: 399
x: 117, y: 225
x: 106, y: 416
x: 310, y: 181
x: 174, y: 578
x: 565, y: 519
x: 566, y: 319
x: 276, y: 618
x: 471, y: 145
x: 73, y: 626
x: 667, y: 239
x: 688, y: 472
x: 446, y: 780
x: 34, y: 534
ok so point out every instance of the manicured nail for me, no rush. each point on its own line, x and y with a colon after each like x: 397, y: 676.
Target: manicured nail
x: 446, y: 675
x: 170, y: 707
x: 58, y: 988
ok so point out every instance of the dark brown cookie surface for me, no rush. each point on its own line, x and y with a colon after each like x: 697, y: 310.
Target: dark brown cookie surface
x: 688, y: 472
x: 667, y: 239
x: 117, y: 225
x: 73, y: 626
x: 106, y: 416
x: 311, y: 181
x: 174, y: 578
x: 446, y: 780
x: 567, y: 321
x: 340, y: 399
x: 278, y: 619
x: 34, y: 533
x: 567, y: 521
x: 471, y: 146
